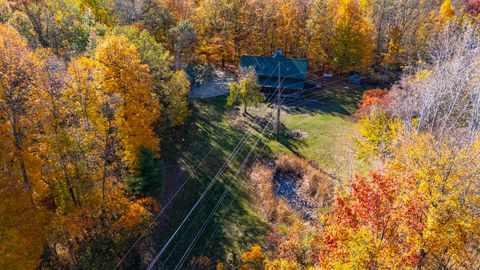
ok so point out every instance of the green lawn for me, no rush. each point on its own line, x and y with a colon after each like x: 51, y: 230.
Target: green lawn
x: 238, y: 223
x: 326, y: 118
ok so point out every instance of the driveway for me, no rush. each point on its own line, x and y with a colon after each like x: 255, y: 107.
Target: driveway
x: 217, y: 86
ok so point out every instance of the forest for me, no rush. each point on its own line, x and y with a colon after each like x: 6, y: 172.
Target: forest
x: 99, y: 129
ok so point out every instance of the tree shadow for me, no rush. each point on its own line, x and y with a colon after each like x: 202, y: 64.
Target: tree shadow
x: 338, y: 98
x: 208, y: 130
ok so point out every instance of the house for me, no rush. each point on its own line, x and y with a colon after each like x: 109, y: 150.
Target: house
x: 292, y: 71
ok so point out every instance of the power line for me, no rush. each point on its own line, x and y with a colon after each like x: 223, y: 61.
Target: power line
x: 212, y: 182
x: 182, y: 260
x: 187, y: 252
x: 163, y: 209
x: 203, y: 195
x: 156, y: 258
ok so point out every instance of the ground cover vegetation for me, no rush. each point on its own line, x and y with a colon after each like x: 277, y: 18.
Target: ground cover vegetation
x: 97, y: 132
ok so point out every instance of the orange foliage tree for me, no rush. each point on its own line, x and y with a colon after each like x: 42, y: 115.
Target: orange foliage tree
x: 128, y: 88
x: 366, y: 228
x: 370, y: 98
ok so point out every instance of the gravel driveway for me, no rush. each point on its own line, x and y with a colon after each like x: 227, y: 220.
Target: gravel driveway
x: 218, y: 86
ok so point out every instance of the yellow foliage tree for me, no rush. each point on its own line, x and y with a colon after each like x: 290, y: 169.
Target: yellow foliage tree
x: 18, y: 102
x: 353, y: 40
x: 377, y: 135
x: 281, y: 264
x: 21, y: 223
x: 253, y: 259
x: 446, y: 11
x: 447, y: 177
x: 82, y: 94
x: 176, y: 91
x: 128, y: 88
x: 394, y: 48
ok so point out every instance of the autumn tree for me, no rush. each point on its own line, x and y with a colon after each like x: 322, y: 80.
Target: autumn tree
x: 446, y: 11
x: 183, y: 39
x: 353, y: 40
x: 157, y: 19
x: 86, y: 125
x: 319, y: 31
x: 82, y: 93
x: 175, y: 97
x: 378, y: 134
x: 290, y: 27
x: 21, y: 225
x: 365, y: 228
x: 128, y: 87
x: 52, y: 72
x: 18, y: 101
x: 392, y: 58
x: 246, y: 90
x: 56, y: 24
x: 215, y: 30
x: 181, y: 10
x: 171, y: 87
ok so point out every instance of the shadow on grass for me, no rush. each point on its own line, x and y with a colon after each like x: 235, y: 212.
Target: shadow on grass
x: 340, y: 99
x: 236, y: 225
x: 292, y: 144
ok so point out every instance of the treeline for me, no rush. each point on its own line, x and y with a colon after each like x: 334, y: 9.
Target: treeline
x: 341, y: 35
x: 84, y: 104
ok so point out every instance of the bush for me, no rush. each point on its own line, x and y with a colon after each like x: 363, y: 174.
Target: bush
x: 149, y: 176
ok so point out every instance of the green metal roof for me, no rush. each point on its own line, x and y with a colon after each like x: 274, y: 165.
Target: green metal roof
x: 272, y: 82
x: 266, y: 66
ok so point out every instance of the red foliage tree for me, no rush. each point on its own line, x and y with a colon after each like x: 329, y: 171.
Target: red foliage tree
x: 472, y: 7
x: 371, y: 98
x: 371, y: 223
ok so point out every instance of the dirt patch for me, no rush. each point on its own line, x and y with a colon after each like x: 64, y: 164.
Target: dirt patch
x: 291, y: 189
x: 246, y: 122
x: 287, y: 187
x: 298, y: 134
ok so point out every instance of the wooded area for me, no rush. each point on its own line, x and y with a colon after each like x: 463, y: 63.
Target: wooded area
x: 94, y: 96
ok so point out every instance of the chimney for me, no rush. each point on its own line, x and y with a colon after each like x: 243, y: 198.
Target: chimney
x: 278, y: 53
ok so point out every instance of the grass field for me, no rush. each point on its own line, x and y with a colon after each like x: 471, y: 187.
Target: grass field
x: 325, y: 115
x: 237, y: 223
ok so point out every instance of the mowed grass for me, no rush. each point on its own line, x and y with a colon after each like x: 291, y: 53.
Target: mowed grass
x: 325, y: 115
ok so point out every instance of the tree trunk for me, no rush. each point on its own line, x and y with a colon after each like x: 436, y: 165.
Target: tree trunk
x: 63, y: 157
x: 37, y: 26
x: 19, y: 145
x: 244, y: 109
x: 106, y: 154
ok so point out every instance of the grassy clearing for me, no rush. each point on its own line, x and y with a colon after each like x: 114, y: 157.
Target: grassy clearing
x: 325, y: 119
x: 242, y: 226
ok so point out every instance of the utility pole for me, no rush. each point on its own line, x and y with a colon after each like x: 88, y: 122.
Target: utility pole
x: 278, y: 104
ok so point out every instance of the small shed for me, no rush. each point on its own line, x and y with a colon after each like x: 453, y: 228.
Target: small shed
x: 354, y: 78
x: 278, y: 71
